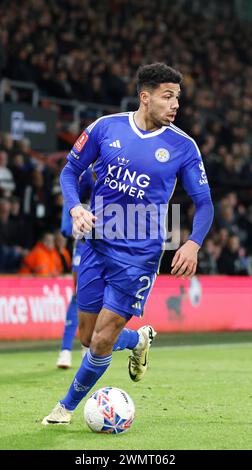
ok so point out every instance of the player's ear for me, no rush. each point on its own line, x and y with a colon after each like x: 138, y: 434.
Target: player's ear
x: 145, y: 97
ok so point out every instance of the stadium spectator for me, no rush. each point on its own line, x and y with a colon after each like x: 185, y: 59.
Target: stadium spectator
x: 13, y: 230
x: 37, y: 201
x: 20, y: 172
x: 7, y: 144
x: 7, y: 184
x: 233, y: 260
x: 208, y: 258
x: 13, y: 236
x: 43, y: 259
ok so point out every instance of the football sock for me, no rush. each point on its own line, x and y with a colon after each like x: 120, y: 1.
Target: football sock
x: 70, y: 325
x: 127, y: 339
x: 91, y: 369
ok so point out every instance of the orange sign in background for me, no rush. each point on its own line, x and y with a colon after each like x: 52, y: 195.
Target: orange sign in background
x: 32, y: 308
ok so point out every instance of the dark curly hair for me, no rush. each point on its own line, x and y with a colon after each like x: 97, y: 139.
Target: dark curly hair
x: 152, y: 75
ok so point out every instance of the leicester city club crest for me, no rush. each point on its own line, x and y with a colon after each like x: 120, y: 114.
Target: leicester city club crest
x: 162, y: 155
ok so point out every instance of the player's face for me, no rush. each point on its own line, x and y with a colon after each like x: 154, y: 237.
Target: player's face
x: 163, y: 104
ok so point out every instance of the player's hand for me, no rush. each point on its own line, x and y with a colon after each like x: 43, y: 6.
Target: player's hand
x: 184, y: 262
x: 83, y: 220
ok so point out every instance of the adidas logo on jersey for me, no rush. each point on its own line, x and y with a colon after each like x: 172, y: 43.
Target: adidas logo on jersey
x: 116, y: 144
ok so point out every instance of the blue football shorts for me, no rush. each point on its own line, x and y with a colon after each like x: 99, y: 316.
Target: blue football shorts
x: 77, y: 252
x: 109, y: 283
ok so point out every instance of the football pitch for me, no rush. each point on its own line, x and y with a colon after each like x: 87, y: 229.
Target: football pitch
x: 194, y: 396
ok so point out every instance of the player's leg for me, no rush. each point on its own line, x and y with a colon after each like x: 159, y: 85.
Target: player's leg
x: 97, y: 359
x: 134, y: 339
x: 65, y: 357
x: 82, y: 255
x: 90, y: 293
x: 128, y: 297
x: 87, y: 323
x: 127, y: 339
x: 60, y: 414
x: 107, y: 327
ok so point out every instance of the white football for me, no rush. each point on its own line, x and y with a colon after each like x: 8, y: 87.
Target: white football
x: 109, y: 410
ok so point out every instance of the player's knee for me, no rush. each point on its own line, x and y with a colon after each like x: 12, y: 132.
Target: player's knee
x: 85, y: 340
x: 101, y: 343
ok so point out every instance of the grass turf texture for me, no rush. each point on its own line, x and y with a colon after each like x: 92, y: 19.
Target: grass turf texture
x: 193, y: 397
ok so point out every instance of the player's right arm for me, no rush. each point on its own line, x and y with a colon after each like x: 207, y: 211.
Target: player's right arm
x: 84, y: 152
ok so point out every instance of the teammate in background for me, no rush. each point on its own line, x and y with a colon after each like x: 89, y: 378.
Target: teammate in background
x: 138, y: 157
x: 64, y: 361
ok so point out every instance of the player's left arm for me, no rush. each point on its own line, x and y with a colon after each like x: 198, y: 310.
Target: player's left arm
x: 84, y: 152
x: 194, y: 181
x: 86, y: 185
x: 66, y: 222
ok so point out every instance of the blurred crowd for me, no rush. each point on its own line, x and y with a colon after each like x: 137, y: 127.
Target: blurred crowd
x: 30, y: 203
x: 90, y: 50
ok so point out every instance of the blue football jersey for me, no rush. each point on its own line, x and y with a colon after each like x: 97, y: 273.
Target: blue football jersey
x: 135, y: 168
x: 86, y: 185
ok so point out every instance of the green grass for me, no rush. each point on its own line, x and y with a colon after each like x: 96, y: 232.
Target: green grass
x: 193, y: 397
